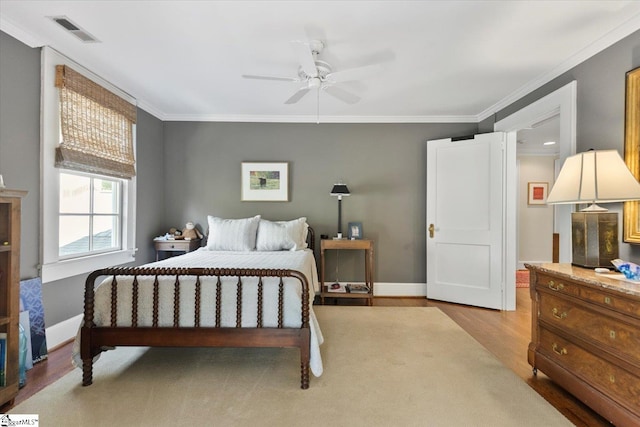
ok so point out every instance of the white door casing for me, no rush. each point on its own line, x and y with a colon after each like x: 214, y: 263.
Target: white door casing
x: 467, y: 205
x: 563, y: 101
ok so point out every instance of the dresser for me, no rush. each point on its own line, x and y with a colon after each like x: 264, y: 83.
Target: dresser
x: 585, y: 336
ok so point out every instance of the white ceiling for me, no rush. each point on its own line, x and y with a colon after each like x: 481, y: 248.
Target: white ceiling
x: 452, y: 61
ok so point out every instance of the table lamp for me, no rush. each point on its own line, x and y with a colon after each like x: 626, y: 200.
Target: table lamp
x: 340, y: 190
x: 594, y: 177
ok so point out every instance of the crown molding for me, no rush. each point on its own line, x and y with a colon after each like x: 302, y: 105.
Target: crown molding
x: 315, y: 119
x: 19, y: 34
x: 629, y: 27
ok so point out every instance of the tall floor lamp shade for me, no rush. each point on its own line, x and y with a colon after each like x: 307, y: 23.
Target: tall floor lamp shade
x: 594, y: 177
x: 340, y: 190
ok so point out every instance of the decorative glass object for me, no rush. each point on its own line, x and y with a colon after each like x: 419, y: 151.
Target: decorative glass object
x: 630, y: 270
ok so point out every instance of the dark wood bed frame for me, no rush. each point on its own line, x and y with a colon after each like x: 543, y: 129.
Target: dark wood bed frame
x: 94, y: 338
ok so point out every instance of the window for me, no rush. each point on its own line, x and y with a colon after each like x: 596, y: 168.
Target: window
x: 89, y: 218
x: 88, y: 171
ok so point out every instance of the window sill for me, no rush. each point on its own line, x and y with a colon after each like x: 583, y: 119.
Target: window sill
x: 72, y: 267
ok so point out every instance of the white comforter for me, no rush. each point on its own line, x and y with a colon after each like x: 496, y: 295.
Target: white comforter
x: 302, y: 261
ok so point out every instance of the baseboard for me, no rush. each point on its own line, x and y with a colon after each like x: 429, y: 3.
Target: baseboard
x: 63, y: 331
x: 400, y: 289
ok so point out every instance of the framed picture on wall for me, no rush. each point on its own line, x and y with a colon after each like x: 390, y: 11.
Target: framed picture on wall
x: 355, y: 231
x: 538, y: 192
x: 631, y: 210
x: 265, y: 182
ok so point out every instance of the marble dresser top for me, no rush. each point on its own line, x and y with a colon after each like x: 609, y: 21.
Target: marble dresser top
x: 614, y: 280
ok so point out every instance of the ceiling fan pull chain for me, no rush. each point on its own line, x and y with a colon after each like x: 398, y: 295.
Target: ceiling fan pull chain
x: 318, y: 106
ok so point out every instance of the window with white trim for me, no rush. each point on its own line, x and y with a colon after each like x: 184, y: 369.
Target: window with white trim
x: 88, y: 171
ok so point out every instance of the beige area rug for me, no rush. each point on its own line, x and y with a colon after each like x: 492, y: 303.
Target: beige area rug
x: 383, y: 366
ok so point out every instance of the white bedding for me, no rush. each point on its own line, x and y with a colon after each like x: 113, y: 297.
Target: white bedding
x: 301, y: 260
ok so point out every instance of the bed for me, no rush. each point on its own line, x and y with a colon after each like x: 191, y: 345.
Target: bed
x: 252, y: 285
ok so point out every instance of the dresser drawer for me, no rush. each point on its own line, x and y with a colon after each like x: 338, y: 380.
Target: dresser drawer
x: 577, y: 319
x: 609, y: 300
x: 557, y: 284
x: 620, y: 384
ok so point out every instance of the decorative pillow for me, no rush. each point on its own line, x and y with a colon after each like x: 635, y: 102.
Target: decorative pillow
x: 298, y: 229
x: 273, y: 236
x: 232, y: 234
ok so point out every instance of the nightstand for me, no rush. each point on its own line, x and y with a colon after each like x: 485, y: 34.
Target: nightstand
x: 367, y: 247
x: 175, y: 246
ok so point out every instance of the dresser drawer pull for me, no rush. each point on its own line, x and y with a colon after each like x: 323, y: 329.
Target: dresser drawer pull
x: 561, y: 351
x: 553, y: 286
x: 612, y: 378
x: 558, y: 315
x: 612, y: 335
x: 607, y: 300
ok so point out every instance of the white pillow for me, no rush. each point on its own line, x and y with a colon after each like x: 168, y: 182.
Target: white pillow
x: 232, y: 234
x: 273, y: 236
x: 298, y: 229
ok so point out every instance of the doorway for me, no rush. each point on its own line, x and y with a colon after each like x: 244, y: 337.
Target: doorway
x: 560, y: 103
x: 536, y: 152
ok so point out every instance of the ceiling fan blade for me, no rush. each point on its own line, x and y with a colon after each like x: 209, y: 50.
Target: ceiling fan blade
x: 358, y: 73
x: 304, y: 53
x: 284, y: 79
x: 298, y: 95
x: 342, y: 94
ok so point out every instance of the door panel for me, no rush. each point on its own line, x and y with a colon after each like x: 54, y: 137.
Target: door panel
x: 465, y: 204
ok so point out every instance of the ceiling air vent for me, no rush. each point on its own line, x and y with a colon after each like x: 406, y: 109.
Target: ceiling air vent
x: 74, y: 29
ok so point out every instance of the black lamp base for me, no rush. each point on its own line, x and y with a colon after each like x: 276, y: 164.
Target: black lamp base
x: 594, y: 238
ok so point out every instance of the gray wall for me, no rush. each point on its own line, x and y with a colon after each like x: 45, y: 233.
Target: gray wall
x: 600, y: 107
x: 382, y: 164
x: 20, y: 167
x: 189, y: 170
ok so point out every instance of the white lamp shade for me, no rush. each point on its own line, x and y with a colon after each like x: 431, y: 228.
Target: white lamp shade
x: 594, y: 177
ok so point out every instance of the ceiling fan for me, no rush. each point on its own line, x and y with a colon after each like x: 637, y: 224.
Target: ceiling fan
x: 316, y: 74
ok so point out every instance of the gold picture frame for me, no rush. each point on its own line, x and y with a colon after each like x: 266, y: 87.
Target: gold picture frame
x: 631, y: 210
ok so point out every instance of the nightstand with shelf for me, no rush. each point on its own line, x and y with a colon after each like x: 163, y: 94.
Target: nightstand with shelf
x: 344, y: 244
x: 179, y: 245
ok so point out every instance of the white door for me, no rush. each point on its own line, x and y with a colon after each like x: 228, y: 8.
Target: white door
x: 466, y: 221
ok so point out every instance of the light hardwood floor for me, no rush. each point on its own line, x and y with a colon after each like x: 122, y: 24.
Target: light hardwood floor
x: 504, y: 333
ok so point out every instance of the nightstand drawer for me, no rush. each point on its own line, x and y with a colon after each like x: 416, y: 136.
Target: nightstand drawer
x: 578, y: 320
x: 175, y: 246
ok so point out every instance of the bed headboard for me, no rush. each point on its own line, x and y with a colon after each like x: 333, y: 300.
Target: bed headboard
x: 311, y: 241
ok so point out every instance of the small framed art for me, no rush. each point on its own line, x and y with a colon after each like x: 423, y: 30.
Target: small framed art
x: 265, y: 182
x: 355, y: 231
x: 538, y: 192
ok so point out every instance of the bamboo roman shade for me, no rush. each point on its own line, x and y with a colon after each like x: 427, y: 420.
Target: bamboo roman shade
x: 96, y: 125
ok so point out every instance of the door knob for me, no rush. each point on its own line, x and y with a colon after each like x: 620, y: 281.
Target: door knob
x: 432, y: 229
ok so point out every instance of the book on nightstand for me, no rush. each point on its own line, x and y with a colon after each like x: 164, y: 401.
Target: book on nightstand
x: 357, y: 289
x: 337, y: 288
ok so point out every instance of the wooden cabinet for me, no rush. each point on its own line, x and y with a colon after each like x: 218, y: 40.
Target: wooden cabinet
x: 175, y: 246
x: 10, y: 204
x: 343, y: 244
x: 586, y: 337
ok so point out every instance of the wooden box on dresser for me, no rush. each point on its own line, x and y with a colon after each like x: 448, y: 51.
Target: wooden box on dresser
x: 10, y: 203
x: 585, y: 335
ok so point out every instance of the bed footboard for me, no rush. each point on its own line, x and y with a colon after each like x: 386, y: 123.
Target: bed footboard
x: 94, y: 338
